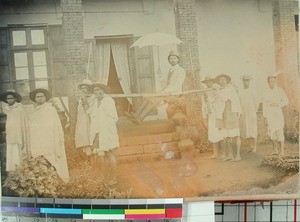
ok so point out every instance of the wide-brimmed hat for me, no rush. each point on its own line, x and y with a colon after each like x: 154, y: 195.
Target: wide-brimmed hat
x: 208, y: 79
x: 33, y: 93
x: 173, y: 53
x: 222, y: 76
x: 17, y: 96
x: 246, y: 77
x: 105, y: 88
x: 274, y: 74
x: 86, y: 82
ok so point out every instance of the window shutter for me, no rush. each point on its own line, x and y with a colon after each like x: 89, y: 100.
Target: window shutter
x: 57, y: 56
x: 5, y: 74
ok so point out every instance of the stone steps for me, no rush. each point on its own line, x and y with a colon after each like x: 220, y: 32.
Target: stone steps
x: 151, y: 139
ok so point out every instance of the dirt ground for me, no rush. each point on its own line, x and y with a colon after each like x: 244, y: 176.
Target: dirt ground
x: 192, y: 175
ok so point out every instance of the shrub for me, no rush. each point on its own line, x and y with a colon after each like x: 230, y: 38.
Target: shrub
x: 35, y: 177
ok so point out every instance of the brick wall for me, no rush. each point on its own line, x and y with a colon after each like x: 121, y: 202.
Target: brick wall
x: 286, y: 52
x: 72, y: 21
x: 186, y: 30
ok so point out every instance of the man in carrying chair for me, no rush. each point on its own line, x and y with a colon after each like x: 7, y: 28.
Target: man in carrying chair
x: 173, y: 84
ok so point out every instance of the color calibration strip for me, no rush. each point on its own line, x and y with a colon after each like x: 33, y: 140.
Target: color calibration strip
x: 110, y: 214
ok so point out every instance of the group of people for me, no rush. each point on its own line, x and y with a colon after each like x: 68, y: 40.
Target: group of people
x: 232, y: 115
x: 34, y: 131
x: 96, y: 130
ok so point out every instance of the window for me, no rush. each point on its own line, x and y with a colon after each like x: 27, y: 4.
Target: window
x: 29, y: 50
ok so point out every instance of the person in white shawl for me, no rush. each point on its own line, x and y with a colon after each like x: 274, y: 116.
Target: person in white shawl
x: 16, y: 130
x: 82, y: 130
x: 46, y: 133
x: 228, y: 115
x: 103, y: 134
x: 210, y: 104
x: 274, y: 100
x: 249, y: 105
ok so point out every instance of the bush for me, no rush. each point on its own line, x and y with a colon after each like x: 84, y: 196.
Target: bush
x: 35, y: 177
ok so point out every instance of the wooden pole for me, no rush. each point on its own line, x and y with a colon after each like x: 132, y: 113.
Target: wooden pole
x: 159, y: 94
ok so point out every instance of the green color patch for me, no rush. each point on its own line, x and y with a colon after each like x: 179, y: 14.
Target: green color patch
x: 102, y: 211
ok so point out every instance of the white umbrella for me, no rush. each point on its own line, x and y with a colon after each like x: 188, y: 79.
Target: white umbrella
x: 156, y: 39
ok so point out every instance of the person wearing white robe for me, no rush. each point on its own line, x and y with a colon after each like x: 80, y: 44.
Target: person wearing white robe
x: 249, y: 105
x: 274, y: 100
x: 82, y: 129
x: 103, y: 134
x: 46, y: 133
x: 210, y: 106
x: 16, y: 130
x: 228, y: 115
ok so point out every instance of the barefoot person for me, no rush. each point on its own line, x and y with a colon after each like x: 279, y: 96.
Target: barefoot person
x: 229, y: 115
x: 210, y: 106
x: 16, y: 130
x: 103, y: 134
x: 46, y: 133
x: 249, y: 105
x: 274, y: 100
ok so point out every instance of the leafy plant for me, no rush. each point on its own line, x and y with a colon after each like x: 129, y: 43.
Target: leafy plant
x: 34, y: 177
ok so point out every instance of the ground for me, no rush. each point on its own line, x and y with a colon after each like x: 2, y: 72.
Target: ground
x: 192, y: 175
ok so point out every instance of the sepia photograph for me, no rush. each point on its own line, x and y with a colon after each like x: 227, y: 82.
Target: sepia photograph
x: 121, y: 99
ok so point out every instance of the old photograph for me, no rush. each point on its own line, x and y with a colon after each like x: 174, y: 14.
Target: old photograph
x: 150, y: 99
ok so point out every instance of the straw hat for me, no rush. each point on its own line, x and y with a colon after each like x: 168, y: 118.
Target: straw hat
x: 33, y: 93
x: 246, y: 77
x: 223, y: 76
x: 208, y: 79
x: 85, y: 82
x: 274, y: 75
x: 105, y: 88
x: 17, y: 96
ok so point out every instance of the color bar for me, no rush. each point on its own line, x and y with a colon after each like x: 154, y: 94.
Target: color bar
x: 60, y: 211
x: 21, y: 209
x: 102, y: 211
x: 174, y: 213
x: 104, y: 216
x: 145, y: 211
x: 144, y: 216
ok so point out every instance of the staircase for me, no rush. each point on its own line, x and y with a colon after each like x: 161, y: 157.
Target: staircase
x: 149, y: 140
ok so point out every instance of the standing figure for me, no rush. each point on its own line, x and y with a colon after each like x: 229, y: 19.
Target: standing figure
x: 228, y: 115
x: 46, y: 133
x: 82, y: 130
x: 210, y: 106
x: 249, y: 105
x: 103, y: 134
x: 273, y: 101
x: 16, y: 130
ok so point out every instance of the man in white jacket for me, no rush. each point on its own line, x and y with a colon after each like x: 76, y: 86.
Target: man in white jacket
x: 173, y: 84
x: 274, y: 100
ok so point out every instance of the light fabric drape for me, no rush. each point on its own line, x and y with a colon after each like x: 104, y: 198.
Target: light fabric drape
x: 120, y: 55
x: 103, y: 50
